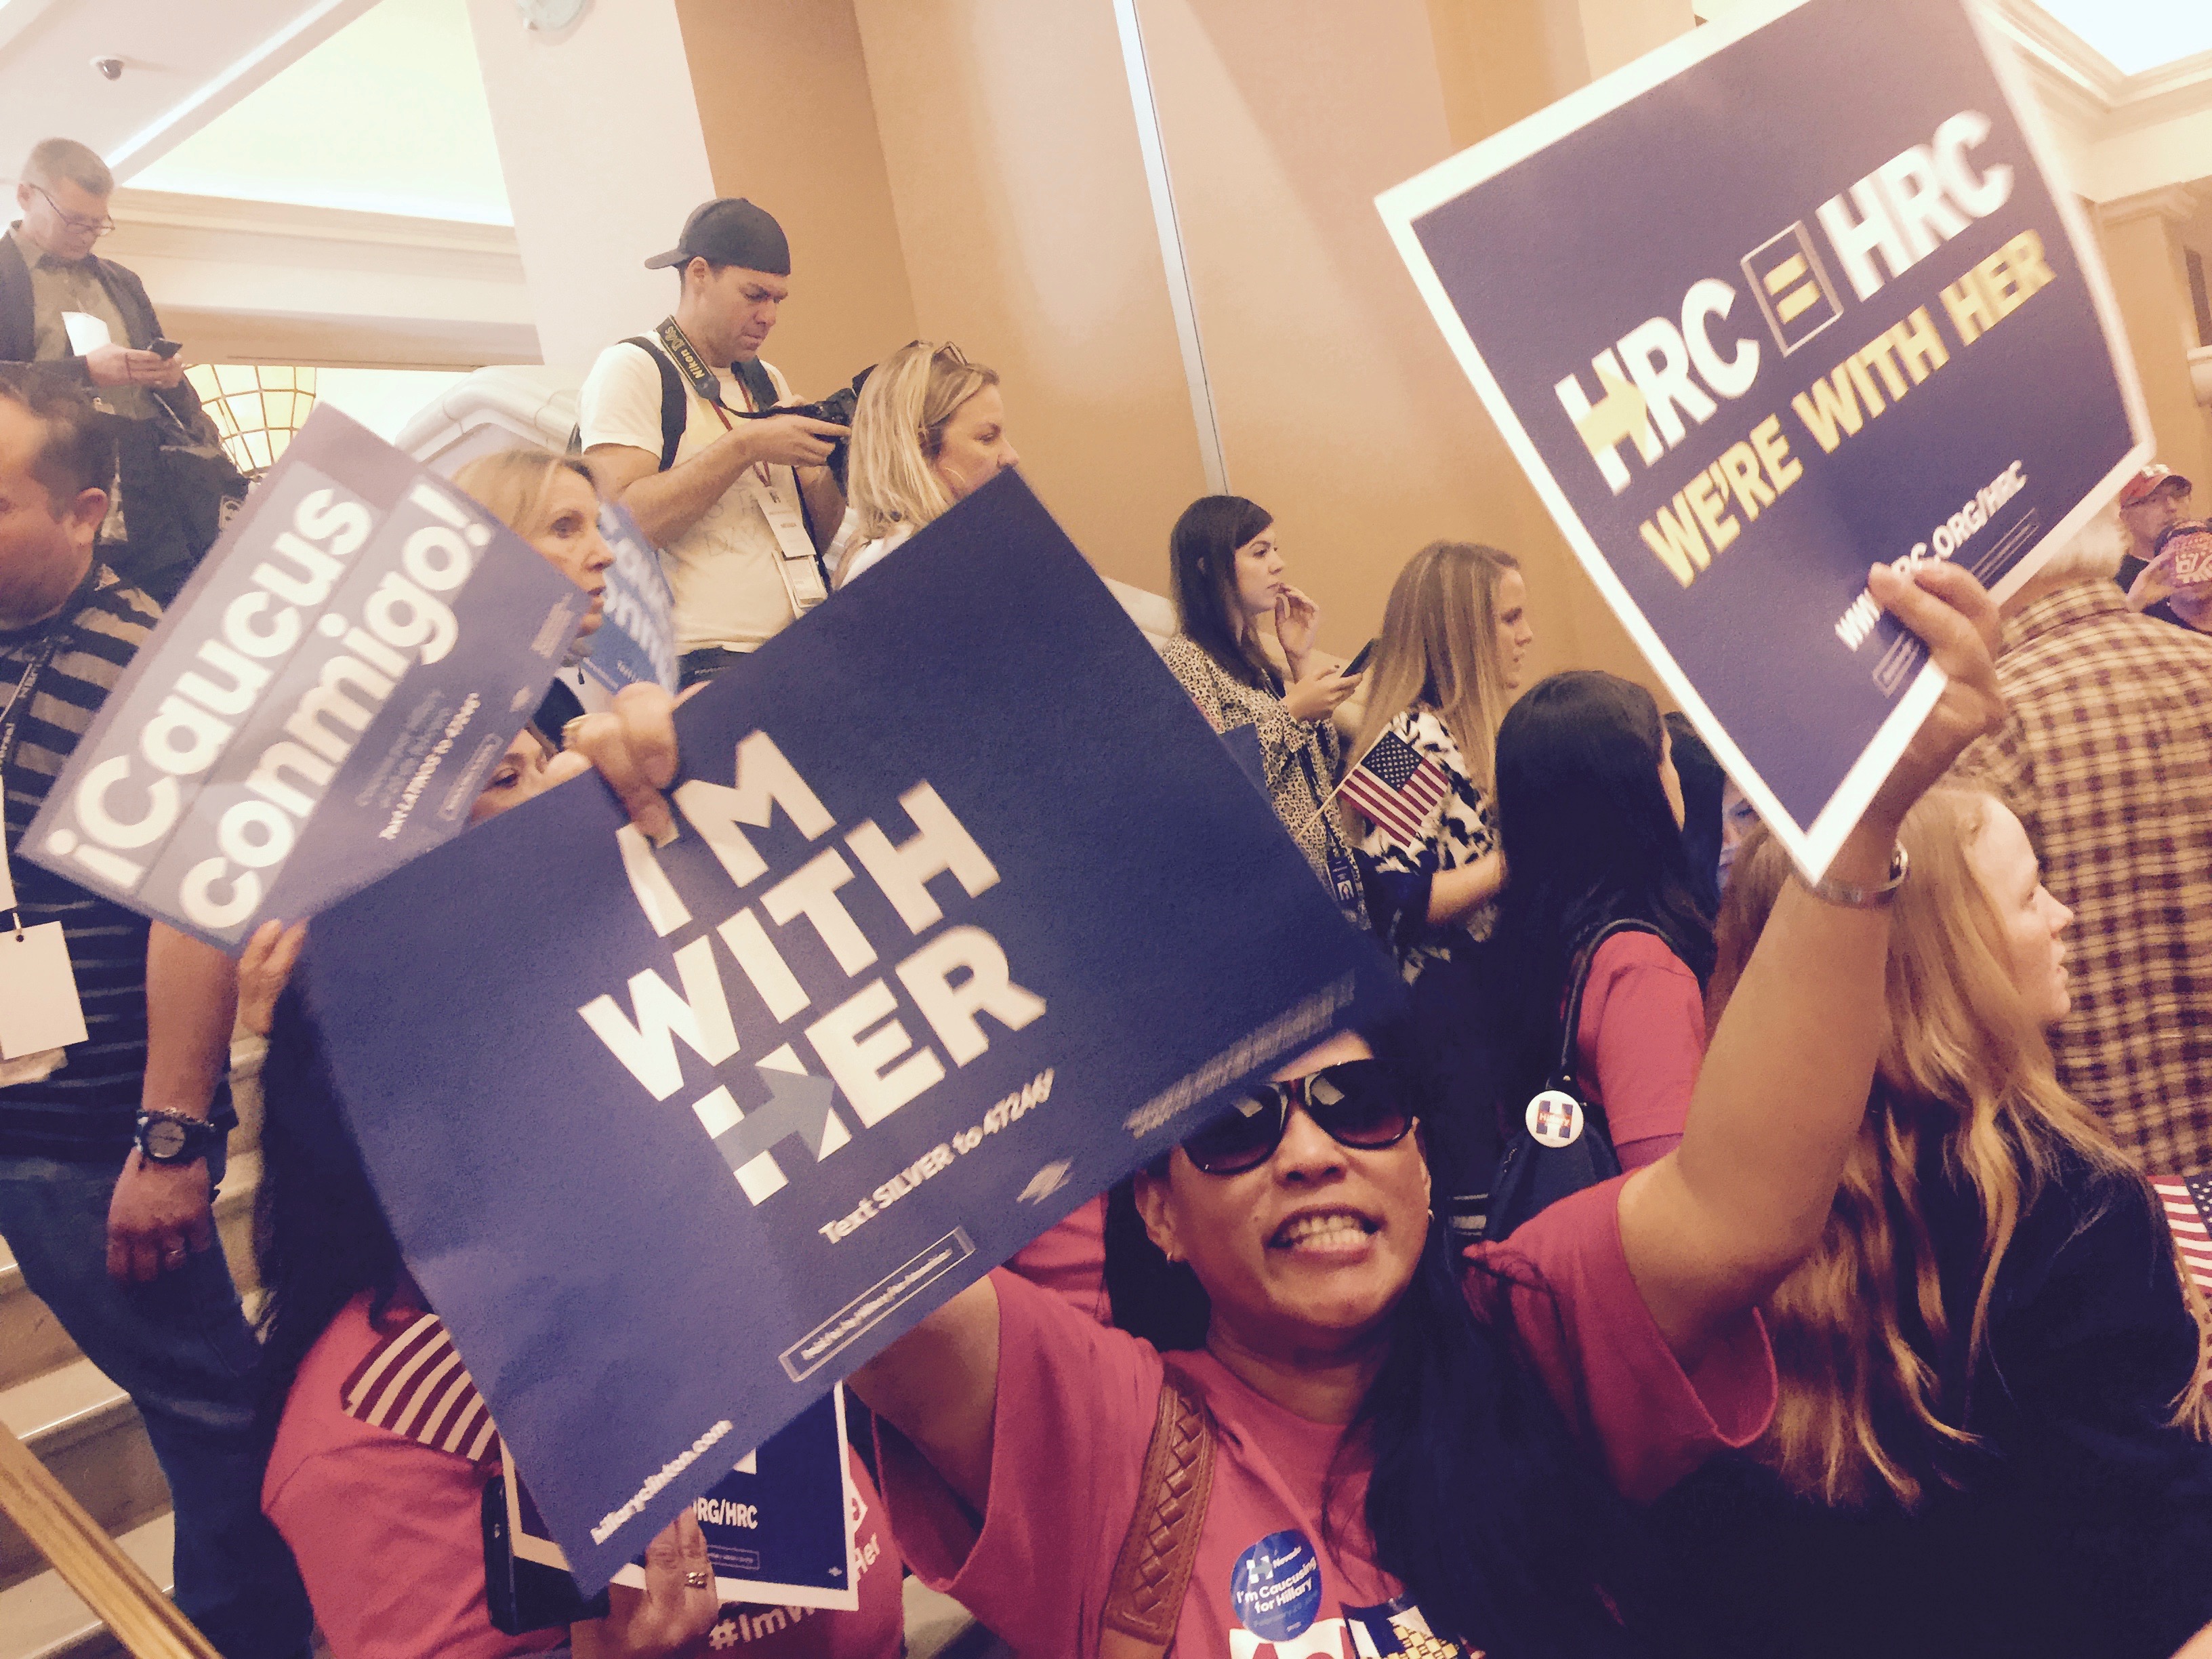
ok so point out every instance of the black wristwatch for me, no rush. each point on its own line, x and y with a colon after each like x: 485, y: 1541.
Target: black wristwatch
x: 173, y: 1138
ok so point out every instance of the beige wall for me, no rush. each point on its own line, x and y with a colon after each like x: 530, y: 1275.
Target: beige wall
x: 971, y: 169
x: 1341, y: 408
x: 1617, y: 32
x: 783, y: 100
x: 2143, y: 248
x: 1012, y: 149
x: 1497, y: 61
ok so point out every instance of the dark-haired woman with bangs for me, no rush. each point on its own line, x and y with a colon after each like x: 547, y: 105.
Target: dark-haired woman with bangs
x: 1990, y: 1437
x: 1409, y: 1451
x: 1226, y: 565
x: 1590, y: 822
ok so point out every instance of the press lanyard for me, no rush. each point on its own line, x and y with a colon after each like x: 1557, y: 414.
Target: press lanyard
x: 11, y: 722
x: 798, y: 563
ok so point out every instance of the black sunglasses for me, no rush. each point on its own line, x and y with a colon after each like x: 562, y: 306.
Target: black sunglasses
x: 1354, y: 1103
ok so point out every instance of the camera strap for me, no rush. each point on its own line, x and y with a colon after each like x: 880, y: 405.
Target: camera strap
x: 772, y: 490
x: 685, y: 355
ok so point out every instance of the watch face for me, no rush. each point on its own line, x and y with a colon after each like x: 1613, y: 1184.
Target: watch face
x: 164, y: 1139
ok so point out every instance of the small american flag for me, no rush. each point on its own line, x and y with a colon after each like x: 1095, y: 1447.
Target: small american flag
x: 413, y: 1383
x: 1397, y: 787
x: 2188, y: 1202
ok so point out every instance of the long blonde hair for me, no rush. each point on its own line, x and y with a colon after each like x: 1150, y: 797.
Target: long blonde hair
x: 898, y: 431
x: 1964, y: 1073
x: 515, y: 486
x: 1439, y: 646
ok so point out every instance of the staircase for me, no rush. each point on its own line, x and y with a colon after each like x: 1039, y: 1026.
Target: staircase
x: 85, y: 1429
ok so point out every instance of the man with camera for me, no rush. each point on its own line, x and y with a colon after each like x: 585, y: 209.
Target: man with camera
x: 88, y: 319
x: 679, y: 424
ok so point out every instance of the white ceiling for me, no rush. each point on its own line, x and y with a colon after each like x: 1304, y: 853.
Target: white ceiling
x: 184, y: 62
x: 386, y: 116
x: 2135, y: 36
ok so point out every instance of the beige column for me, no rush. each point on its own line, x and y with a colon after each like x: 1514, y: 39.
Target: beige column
x: 1499, y: 60
x: 2143, y: 252
x: 600, y: 144
x: 1614, y: 32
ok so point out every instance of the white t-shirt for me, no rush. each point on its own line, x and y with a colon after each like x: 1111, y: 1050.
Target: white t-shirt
x: 723, y: 569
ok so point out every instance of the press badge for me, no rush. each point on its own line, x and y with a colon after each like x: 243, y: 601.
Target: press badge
x: 39, y: 1013
x: 1343, y: 876
x: 795, y: 563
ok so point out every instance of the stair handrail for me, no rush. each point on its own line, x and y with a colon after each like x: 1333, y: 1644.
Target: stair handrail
x: 91, y: 1563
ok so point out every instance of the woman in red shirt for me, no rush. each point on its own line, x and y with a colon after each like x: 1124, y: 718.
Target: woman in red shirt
x: 1590, y: 822
x: 1407, y: 1454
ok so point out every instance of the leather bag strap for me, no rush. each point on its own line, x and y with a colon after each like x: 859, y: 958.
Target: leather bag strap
x: 1153, y: 1572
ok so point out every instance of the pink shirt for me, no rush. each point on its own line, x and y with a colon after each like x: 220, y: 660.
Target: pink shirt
x: 1070, y: 1261
x: 388, y: 1533
x: 1641, y: 1040
x: 1076, y: 1404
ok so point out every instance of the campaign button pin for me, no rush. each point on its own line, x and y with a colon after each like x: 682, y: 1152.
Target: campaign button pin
x: 1555, y: 1118
x: 1275, y: 1586
x: 1792, y: 287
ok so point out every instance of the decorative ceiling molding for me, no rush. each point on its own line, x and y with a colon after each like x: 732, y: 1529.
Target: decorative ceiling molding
x: 2178, y: 203
x: 268, y: 282
x: 2125, y: 134
x: 2063, y: 63
x: 170, y: 223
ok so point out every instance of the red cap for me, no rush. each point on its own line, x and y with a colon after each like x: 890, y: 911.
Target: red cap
x: 2148, y: 482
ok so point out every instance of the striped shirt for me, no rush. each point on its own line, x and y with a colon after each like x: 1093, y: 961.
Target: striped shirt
x: 85, y: 1109
x: 2106, y: 756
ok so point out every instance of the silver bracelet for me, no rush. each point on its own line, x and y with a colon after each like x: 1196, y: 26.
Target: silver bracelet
x: 1829, y: 891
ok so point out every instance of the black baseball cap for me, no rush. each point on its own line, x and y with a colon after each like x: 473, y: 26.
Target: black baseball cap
x: 730, y: 231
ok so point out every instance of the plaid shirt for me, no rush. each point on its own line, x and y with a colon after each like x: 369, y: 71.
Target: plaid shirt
x: 2106, y: 756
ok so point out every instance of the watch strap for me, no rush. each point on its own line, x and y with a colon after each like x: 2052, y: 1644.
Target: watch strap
x: 1829, y: 890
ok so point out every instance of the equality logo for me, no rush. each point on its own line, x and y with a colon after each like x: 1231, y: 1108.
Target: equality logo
x: 1792, y: 287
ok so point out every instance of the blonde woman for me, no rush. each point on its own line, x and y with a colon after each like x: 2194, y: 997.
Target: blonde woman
x: 930, y: 430
x: 551, y: 502
x: 1447, y: 662
x: 1989, y: 1433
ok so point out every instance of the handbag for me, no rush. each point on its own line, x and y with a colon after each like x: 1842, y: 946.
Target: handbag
x: 206, y: 489
x: 1563, y: 1143
x: 173, y: 491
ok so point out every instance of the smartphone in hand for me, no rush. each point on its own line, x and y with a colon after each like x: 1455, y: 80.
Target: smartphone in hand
x: 1359, y: 662
x: 165, y: 348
